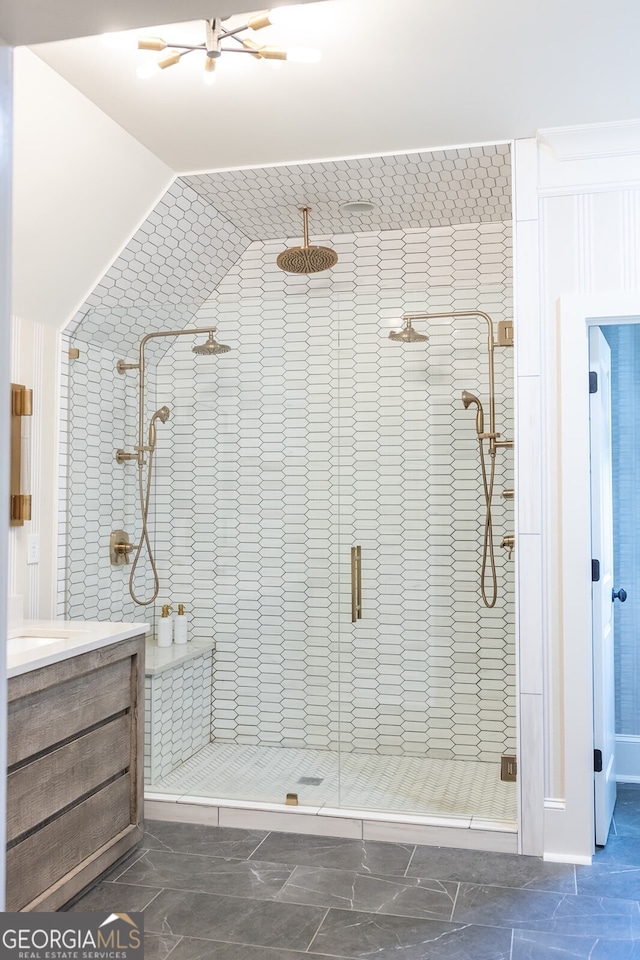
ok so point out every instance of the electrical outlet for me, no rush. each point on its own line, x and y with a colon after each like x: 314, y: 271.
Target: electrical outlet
x: 33, y: 548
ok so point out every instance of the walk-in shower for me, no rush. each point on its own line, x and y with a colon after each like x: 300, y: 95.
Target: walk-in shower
x: 408, y: 334
x: 372, y: 683
x: 143, y: 450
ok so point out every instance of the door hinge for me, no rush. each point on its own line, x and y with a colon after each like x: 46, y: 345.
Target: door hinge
x: 595, y: 571
x: 593, y: 381
x: 597, y: 761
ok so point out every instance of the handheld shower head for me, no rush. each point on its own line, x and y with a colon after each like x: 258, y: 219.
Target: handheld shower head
x: 162, y: 414
x: 468, y: 399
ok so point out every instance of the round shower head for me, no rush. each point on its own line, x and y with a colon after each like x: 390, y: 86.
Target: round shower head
x: 210, y: 348
x: 408, y: 334
x: 162, y: 414
x: 307, y: 258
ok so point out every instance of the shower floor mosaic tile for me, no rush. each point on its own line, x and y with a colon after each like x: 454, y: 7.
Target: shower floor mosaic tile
x: 409, y: 785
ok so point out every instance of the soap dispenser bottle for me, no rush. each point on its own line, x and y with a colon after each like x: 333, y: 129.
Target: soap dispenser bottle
x: 165, y: 627
x: 181, y: 626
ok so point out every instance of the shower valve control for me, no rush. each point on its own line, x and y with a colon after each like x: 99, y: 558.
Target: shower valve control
x: 509, y: 543
x: 119, y: 547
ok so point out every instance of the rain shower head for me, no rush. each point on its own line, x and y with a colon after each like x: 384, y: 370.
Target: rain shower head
x: 408, y: 334
x: 210, y: 348
x: 307, y: 258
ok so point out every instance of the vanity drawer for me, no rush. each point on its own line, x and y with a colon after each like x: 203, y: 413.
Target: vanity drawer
x: 34, y: 865
x: 40, y: 789
x: 58, y: 712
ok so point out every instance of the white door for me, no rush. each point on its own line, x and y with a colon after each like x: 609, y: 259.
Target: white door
x: 602, y: 590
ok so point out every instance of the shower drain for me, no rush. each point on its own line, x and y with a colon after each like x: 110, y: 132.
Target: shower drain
x: 311, y: 781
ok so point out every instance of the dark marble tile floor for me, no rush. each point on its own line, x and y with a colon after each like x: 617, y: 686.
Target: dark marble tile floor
x: 215, y: 893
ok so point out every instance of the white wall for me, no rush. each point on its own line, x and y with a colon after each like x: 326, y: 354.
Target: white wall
x: 5, y: 262
x: 577, y: 236
x: 34, y: 363
x: 82, y: 186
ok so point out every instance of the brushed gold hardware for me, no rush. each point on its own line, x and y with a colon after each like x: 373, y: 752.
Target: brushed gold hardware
x: 20, y: 508
x: 508, y: 768
x: 504, y: 338
x: 119, y: 547
x: 508, y: 494
x: 151, y: 43
x: 123, y: 457
x: 74, y: 353
x: 354, y: 601
x: 356, y: 583
x: 505, y: 333
x: 509, y: 543
x: 292, y: 800
x: 21, y: 401
x: 19, y: 503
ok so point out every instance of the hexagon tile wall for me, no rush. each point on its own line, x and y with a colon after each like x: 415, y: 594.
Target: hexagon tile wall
x: 315, y: 433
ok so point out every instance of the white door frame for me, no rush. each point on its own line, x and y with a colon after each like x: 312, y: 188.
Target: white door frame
x: 576, y: 314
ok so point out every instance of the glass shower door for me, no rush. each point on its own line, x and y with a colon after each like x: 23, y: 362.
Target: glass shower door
x: 427, y: 672
x: 251, y: 513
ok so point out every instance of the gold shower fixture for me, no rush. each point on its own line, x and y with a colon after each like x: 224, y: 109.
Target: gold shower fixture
x: 308, y: 258
x: 407, y: 334
x: 218, y: 40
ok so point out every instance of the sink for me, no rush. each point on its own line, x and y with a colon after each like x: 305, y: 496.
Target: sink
x: 33, y: 639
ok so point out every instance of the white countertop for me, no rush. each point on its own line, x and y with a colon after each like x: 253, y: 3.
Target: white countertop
x: 39, y: 643
x: 158, y: 659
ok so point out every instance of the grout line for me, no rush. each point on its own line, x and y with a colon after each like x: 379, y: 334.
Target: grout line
x: 318, y: 930
x: 413, y: 853
x: 153, y: 898
x: 259, y: 845
x: 179, y: 940
x: 455, y: 901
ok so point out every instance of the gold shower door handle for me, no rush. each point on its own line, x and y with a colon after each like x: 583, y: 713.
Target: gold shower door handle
x: 356, y: 584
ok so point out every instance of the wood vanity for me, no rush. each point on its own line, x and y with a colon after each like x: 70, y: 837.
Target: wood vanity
x: 75, y: 779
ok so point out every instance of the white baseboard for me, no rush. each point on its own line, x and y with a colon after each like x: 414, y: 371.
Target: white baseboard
x: 627, y: 759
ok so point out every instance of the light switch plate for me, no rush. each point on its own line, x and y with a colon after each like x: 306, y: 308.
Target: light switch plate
x: 33, y: 548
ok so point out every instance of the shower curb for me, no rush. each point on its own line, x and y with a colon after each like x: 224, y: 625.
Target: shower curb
x: 469, y: 833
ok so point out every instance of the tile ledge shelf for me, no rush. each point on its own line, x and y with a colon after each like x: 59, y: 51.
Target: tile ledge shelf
x: 158, y: 659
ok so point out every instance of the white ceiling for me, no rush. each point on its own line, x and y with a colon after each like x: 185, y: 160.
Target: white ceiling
x: 38, y: 21
x: 395, y: 76
x: 409, y: 191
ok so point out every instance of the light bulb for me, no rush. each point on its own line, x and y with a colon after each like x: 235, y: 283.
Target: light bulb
x: 284, y: 15
x: 149, y: 69
x: 119, y: 41
x: 209, y: 76
x: 303, y: 55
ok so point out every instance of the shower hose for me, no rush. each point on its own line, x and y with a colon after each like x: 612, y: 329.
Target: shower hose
x: 145, y: 496
x: 488, y: 554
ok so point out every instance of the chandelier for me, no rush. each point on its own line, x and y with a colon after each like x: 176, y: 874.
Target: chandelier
x: 218, y: 40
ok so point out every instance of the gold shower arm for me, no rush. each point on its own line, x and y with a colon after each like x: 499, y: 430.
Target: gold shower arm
x: 140, y: 365
x: 491, y: 343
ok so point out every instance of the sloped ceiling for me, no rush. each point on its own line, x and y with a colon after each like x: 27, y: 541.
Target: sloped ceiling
x: 408, y: 191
